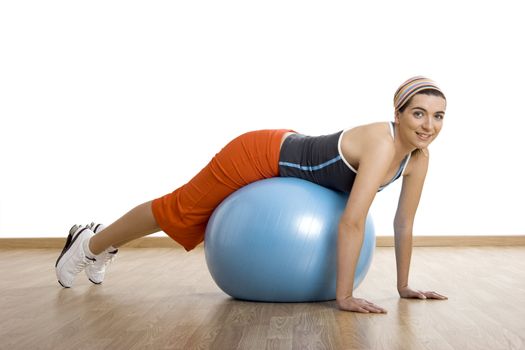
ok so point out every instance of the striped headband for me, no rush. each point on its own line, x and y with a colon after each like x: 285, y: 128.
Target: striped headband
x: 411, y: 87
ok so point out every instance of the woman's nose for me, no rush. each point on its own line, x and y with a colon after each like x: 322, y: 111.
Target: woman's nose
x: 427, y: 123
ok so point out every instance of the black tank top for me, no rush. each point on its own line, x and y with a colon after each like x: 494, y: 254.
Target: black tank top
x: 319, y: 159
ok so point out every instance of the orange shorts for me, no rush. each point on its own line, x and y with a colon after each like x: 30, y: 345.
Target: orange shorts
x: 184, y: 213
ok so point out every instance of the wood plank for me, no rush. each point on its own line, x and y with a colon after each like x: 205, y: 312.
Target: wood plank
x: 381, y: 241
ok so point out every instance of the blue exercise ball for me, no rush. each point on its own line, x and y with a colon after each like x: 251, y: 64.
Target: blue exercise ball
x: 275, y: 240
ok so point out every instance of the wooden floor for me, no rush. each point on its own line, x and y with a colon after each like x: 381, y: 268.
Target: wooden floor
x: 165, y: 299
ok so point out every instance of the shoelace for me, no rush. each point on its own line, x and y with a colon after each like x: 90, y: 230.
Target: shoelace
x: 108, y: 258
x: 85, y: 261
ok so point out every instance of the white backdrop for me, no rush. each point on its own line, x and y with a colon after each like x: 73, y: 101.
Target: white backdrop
x: 107, y: 104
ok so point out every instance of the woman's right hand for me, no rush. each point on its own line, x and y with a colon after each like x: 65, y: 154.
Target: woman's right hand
x: 359, y: 305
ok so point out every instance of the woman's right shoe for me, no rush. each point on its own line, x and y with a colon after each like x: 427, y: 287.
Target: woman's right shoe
x: 73, y: 258
x: 97, y: 271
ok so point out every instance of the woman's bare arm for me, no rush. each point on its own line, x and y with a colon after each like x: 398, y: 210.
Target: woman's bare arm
x: 373, y: 167
x: 409, y: 198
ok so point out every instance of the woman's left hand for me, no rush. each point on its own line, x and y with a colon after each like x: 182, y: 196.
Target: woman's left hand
x: 407, y: 292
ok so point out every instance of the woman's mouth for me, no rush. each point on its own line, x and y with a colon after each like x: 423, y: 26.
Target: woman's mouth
x: 423, y: 136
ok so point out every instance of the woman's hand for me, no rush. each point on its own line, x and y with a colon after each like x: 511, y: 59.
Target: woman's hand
x: 407, y: 292
x: 359, y: 305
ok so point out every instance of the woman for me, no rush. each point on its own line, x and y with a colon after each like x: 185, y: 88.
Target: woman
x: 360, y: 161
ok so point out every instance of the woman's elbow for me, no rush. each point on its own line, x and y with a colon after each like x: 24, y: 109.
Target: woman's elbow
x: 351, y: 226
x: 402, y: 226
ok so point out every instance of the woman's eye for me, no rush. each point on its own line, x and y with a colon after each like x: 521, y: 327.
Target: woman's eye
x: 439, y: 116
x: 418, y: 114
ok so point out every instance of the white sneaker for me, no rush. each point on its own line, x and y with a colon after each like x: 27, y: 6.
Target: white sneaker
x: 96, y: 271
x: 73, y: 258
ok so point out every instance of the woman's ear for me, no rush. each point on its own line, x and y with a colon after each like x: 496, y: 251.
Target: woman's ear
x: 396, y: 117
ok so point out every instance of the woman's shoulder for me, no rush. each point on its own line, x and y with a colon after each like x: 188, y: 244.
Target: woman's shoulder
x: 419, y: 160
x: 369, y: 133
x: 363, y: 138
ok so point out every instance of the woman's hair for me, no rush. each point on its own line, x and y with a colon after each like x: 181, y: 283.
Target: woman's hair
x: 429, y: 92
x: 412, y: 87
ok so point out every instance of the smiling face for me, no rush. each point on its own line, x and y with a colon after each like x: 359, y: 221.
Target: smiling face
x: 421, y: 120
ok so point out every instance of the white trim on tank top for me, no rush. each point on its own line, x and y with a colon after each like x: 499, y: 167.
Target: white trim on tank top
x: 341, y: 152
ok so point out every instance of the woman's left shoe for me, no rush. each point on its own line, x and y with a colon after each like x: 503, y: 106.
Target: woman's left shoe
x: 97, y: 271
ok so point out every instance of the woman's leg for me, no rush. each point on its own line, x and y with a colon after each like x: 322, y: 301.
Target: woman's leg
x: 182, y: 214
x: 138, y: 222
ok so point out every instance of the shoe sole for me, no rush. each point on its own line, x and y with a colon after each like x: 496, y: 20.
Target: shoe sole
x: 69, y: 243
x: 62, y: 284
